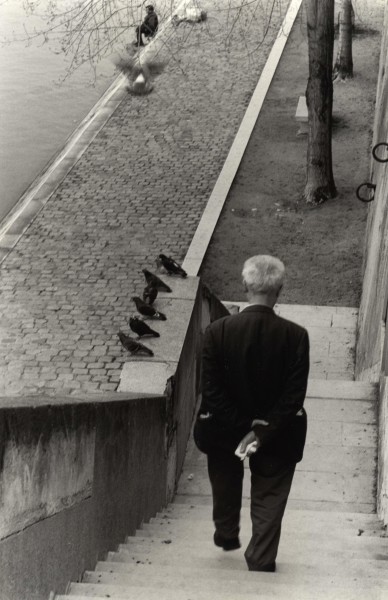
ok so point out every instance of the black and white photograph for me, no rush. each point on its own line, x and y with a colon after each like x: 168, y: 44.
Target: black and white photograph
x: 193, y: 299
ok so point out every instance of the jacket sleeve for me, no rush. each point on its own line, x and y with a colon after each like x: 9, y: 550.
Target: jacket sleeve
x: 214, y: 397
x: 151, y: 22
x: 292, y: 397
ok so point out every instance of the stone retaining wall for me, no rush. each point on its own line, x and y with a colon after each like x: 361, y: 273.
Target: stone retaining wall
x: 382, y: 473
x: 75, y: 478
x: 372, y: 347
x: 373, y: 308
x: 79, y: 474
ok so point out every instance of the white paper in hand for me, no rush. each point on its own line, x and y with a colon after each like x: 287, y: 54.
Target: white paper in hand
x: 250, y: 449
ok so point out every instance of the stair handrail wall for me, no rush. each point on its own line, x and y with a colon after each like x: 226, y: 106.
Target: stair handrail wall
x: 186, y: 382
x: 373, y: 307
x: 372, y: 334
x: 80, y: 474
x: 76, y: 475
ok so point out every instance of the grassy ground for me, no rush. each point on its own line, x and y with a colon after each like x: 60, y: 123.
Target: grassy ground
x: 322, y: 246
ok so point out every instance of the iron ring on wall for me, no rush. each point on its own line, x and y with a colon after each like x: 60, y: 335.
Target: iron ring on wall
x: 369, y: 186
x: 374, y: 152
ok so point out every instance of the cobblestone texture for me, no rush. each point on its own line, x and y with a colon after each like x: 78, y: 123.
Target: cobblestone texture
x: 139, y: 189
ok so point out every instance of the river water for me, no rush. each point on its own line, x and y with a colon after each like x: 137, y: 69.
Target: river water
x: 37, y: 113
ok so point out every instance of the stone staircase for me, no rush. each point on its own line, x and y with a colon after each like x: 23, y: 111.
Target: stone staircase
x: 333, y: 547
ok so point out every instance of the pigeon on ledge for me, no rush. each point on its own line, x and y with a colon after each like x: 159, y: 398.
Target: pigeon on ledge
x: 147, y: 310
x: 138, y: 326
x: 132, y: 345
x: 154, y: 281
x: 171, y: 266
x: 149, y: 294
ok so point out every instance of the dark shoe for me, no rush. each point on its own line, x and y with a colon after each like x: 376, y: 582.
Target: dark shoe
x: 226, y: 544
x: 138, y: 44
x: 271, y: 568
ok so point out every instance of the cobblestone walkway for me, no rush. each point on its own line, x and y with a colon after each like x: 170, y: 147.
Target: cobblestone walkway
x: 139, y: 189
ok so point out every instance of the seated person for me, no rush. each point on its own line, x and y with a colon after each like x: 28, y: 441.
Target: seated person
x: 149, y: 26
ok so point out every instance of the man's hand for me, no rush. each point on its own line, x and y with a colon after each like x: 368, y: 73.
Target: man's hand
x: 248, y: 439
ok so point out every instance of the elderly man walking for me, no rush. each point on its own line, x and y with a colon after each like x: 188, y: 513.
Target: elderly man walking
x: 254, y: 377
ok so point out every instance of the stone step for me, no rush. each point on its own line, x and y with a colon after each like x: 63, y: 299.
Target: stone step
x: 329, y: 316
x: 341, y: 434
x: 79, y: 597
x: 349, y: 460
x: 199, y: 534
x: 347, y: 435
x: 199, y: 528
x: 303, y: 564
x: 87, y: 590
x: 149, y: 593
x: 344, y: 529
x: 307, y: 485
x: 193, y: 511
x: 220, y: 581
x: 294, y: 504
x: 329, y: 371
x: 134, y: 593
x: 335, y: 410
x: 302, y: 575
x: 75, y: 596
x: 341, y: 389
x: 149, y: 543
x: 381, y: 533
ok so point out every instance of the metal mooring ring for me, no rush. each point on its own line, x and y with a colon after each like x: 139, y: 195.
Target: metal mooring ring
x: 374, y: 152
x: 369, y: 186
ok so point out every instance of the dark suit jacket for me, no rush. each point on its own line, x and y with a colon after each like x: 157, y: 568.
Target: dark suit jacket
x: 255, y: 366
x: 150, y: 23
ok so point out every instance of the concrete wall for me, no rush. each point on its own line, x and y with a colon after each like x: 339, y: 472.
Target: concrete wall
x: 371, y: 328
x: 76, y: 477
x: 207, y: 308
x: 372, y: 345
x: 79, y: 475
x: 174, y: 369
x: 382, y: 477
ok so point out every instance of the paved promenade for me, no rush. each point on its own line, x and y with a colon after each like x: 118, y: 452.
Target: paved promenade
x: 139, y: 189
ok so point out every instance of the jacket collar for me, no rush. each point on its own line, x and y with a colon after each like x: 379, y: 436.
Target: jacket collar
x: 258, y: 308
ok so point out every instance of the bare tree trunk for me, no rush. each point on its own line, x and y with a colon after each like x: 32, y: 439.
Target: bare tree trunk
x: 320, y: 184
x: 343, y: 67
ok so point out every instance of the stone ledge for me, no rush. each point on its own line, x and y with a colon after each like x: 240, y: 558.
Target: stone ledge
x: 55, y: 400
x: 146, y: 377
x: 150, y: 374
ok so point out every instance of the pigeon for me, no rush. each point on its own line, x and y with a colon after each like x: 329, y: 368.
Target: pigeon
x: 171, y: 266
x: 141, y: 328
x: 147, y: 310
x: 154, y: 281
x: 132, y: 345
x: 149, y: 294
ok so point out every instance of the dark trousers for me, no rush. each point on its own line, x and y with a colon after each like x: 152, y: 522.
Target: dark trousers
x: 146, y: 31
x: 270, y: 486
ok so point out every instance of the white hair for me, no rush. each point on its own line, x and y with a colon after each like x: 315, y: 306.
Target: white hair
x: 263, y: 274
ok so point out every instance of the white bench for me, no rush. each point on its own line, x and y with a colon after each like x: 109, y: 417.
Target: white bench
x: 301, y: 116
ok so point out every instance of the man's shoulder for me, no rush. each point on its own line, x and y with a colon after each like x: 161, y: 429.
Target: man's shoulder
x: 239, y: 317
x: 281, y: 322
x: 216, y: 325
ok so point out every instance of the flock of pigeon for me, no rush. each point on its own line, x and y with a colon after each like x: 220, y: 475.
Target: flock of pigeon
x: 144, y: 306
